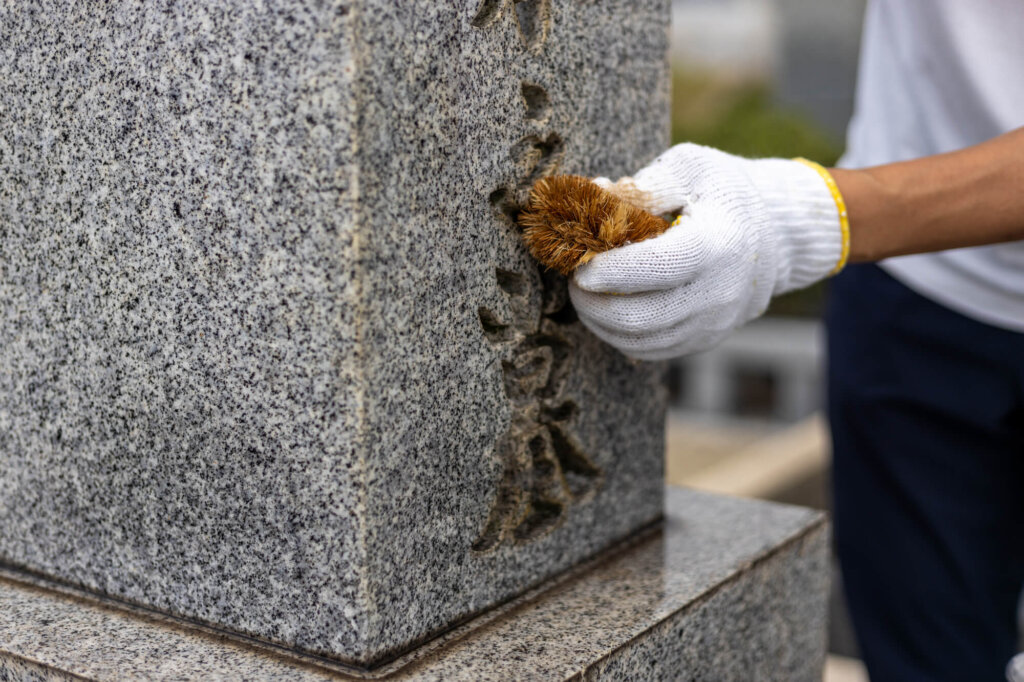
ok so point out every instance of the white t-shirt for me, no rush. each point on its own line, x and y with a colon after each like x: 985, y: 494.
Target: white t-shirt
x: 935, y: 76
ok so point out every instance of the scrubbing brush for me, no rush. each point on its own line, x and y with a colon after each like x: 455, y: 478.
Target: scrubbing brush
x: 569, y: 220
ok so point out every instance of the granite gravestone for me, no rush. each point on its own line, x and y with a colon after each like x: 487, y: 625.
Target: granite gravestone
x: 272, y: 355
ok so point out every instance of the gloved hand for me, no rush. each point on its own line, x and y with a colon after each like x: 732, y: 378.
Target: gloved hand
x: 750, y: 230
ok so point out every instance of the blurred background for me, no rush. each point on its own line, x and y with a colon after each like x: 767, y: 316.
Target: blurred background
x: 764, y: 78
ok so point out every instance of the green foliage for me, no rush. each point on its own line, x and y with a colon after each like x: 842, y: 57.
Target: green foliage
x: 741, y: 118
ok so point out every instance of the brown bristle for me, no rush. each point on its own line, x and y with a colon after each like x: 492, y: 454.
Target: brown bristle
x: 569, y: 220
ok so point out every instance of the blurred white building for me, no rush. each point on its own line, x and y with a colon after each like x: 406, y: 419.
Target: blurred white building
x: 736, y: 37
x: 807, y: 48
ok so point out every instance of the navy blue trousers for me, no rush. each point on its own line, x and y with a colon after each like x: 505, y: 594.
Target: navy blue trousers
x: 927, y: 414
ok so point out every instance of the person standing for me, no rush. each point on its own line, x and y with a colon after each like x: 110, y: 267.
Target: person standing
x: 922, y: 225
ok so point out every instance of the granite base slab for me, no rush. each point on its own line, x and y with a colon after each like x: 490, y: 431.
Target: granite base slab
x: 726, y: 589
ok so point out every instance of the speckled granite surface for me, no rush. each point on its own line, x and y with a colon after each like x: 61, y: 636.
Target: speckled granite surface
x: 272, y: 356
x: 729, y: 590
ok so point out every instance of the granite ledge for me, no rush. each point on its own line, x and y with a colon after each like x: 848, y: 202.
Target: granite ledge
x: 729, y: 588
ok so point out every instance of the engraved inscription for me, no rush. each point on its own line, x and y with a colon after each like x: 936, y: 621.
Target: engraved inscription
x: 537, y: 102
x: 536, y: 158
x: 489, y: 11
x: 545, y: 470
x: 532, y: 16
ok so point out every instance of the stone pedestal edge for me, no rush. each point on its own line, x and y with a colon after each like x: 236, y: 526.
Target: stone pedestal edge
x: 723, y: 589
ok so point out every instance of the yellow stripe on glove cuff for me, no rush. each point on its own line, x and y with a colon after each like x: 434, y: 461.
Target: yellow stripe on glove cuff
x: 844, y: 219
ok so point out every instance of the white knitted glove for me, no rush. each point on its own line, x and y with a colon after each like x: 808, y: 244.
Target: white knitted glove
x: 1015, y: 669
x: 750, y: 229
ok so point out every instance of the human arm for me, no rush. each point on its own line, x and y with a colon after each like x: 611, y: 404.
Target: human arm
x: 752, y: 229
x: 969, y: 197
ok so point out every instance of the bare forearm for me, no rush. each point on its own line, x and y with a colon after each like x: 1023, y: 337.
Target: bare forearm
x: 969, y: 197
